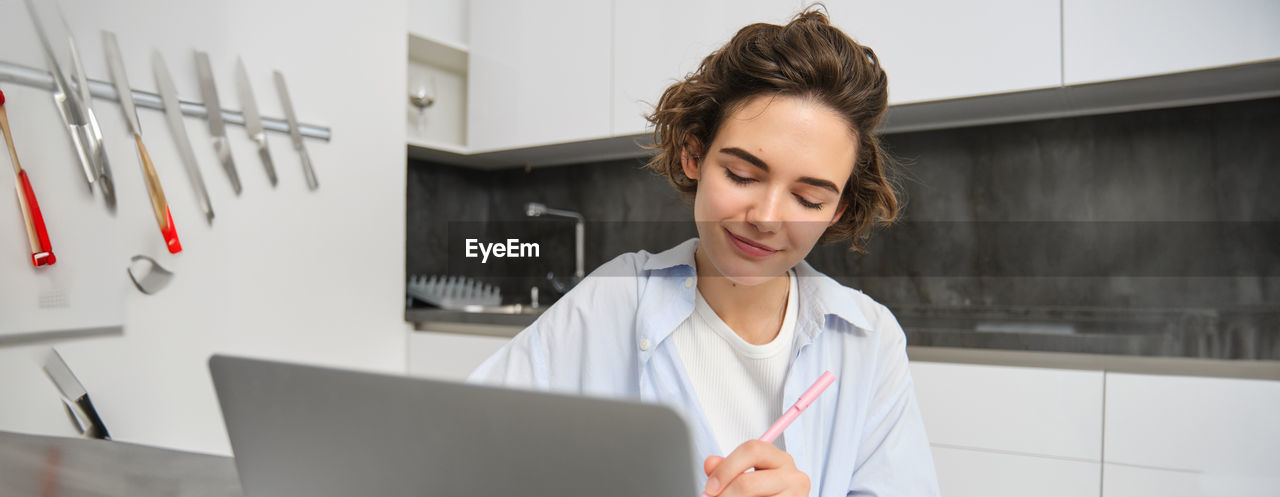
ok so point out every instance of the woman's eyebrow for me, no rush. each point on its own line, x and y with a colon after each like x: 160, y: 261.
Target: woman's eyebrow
x: 821, y: 183
x: 755, y: 161
x: 745, y: 155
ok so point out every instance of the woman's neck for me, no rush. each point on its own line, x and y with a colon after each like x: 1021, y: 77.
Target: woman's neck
x: 754, y: 312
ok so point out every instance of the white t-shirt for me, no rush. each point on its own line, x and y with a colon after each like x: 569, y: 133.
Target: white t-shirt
x: 739, y: 385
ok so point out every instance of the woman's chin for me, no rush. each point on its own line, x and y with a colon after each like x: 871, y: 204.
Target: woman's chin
x: 751, y: 280
x: 746, y: 273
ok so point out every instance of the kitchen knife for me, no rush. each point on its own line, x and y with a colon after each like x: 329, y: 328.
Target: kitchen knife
x: 97, y: 151
x: 74, y: 397
x: 253, y: 120
x: 217, y: 128
x: 294, y: 133
x: 37, y: 236
x: 70, y: 108
x: 159, y: 206
x: 173, y: 113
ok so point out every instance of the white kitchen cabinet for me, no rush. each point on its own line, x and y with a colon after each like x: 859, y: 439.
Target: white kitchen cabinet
x: 1222, y: 429
x: 443, y: 20
x: 1108, y: 40
x: 939, y: 50
x: 656, y: 43
x: 568, y: 81
x: 977, y: 473
x: 449, y: 356
x: 1040, y: 411
x: 437, y: 69
x: 932, y: 50
x: 539, y: 73
x: 1120, y: 480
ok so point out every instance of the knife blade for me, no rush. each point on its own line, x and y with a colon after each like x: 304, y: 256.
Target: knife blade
x: 173, y: 114
x: 74, y: 396
x: 253, y: 120
x: 159, y: 206
x: 116, y: 65
x: 68, y: 104
x: 294, y: 133
x: 217, y: 128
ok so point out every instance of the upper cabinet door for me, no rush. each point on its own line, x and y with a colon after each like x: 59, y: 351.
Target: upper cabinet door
x: 539, y: 73
x: 1108, y: 40
x: 440, y: 20
x: 941, y: 49
x: 658, y: 42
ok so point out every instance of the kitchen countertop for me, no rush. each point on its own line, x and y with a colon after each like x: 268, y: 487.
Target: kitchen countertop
x: 70, y: 467
x: 428, y: 316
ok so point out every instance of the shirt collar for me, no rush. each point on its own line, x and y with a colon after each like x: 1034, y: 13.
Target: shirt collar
x: 820, y: 296
x: 829, y: 297
x: 675, y: 256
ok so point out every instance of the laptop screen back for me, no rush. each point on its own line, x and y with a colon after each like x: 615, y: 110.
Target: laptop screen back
x: 304, y: 431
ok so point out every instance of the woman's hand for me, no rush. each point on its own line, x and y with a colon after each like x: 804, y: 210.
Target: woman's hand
x: 775, y: 473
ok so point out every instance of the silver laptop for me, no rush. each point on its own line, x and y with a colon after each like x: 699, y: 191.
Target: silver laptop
x: 304, y: 431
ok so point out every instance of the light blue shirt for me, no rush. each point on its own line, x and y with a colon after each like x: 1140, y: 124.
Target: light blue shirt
x: 610, y: 336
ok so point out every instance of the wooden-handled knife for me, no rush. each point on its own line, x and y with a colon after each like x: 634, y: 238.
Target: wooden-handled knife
x: 159, y: 206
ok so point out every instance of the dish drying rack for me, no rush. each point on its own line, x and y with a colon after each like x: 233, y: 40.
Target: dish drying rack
x: 453, y: 292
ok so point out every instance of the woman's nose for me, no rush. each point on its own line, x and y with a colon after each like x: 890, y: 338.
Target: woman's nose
x: 765, y: 213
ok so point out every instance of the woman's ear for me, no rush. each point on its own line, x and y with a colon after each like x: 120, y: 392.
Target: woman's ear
x: 691, y: 158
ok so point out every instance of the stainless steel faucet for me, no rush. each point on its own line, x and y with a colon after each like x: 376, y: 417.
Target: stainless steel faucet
x: 534, y: 209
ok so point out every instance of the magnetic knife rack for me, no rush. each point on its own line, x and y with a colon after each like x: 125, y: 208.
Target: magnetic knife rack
x: 40, y: 78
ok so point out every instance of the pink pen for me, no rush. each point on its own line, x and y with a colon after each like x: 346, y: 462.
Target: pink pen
x: 802, y: 403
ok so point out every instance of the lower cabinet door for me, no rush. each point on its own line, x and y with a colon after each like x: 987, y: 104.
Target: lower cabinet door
x: 449, y: 356
x: 981, y: 473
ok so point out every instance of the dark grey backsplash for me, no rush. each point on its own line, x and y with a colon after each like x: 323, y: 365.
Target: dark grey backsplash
x: 1028, y: 220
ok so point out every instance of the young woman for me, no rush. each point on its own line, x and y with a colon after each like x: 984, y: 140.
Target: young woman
x: 773, y: 139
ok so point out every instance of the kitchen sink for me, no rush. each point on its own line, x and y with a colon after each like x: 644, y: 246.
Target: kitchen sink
x: 501, y: 309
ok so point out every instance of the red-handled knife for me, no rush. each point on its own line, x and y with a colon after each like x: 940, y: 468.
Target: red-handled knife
x: 37, y: 236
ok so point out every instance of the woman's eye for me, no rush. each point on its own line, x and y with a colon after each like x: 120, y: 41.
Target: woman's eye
x: 807, y: 204
x: 737, y: 179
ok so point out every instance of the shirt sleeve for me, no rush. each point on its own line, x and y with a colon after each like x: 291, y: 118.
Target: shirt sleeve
x: 578, y: 345
x: 894, y: 457
x: 521, y: 363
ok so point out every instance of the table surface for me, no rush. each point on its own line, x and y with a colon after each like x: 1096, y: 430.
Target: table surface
x: 44, y: 466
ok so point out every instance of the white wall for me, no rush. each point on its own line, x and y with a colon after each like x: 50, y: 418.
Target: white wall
x: 282, y: 273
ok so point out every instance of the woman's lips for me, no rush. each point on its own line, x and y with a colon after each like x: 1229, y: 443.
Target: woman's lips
x: 748, y: 247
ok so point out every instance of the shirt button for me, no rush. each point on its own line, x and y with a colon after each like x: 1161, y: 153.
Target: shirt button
x: 688, y: 282
x: 644, y: 344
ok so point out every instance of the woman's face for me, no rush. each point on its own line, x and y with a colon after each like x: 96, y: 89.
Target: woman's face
x: 769, y: 185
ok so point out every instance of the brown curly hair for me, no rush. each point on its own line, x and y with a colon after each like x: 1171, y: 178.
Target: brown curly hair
x: 807, y: 58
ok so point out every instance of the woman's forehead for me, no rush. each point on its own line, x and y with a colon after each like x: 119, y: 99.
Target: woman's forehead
x: 791, y: 134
